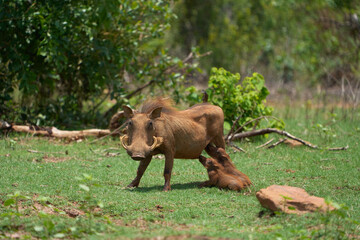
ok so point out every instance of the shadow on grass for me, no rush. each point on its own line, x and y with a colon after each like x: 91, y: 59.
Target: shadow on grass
x: 176, y: 186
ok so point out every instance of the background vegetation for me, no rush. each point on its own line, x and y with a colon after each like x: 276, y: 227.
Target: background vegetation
x: 287, y: 41
x: 74, y: 63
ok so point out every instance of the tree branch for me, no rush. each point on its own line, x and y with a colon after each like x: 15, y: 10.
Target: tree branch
x: 270, y: 130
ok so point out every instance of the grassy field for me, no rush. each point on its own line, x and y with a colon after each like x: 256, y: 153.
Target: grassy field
x: 57, y: 189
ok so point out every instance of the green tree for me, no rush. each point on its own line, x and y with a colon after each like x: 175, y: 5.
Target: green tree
x: 65, y: 58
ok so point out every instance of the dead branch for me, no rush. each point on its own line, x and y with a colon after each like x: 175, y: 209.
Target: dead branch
x: 338, y: 148
x: 4, y: 125
x: 227, y: 138
x: 115, y: 132
x: 169, y: 69
x: 270, y: 130
x: 277, y: 143
x: 280, y: 132
x: 236, y: 147
x: 263, y: 145
x: 247, y: 123
x: 139, y: 89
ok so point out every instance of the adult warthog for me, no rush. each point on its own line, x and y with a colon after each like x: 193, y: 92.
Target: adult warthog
x: 158, y: 128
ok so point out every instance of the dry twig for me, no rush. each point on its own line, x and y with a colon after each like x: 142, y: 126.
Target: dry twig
x: 263, y: 145
x: 277, y: 143
x: 338, y: 148
x: 236, y: 147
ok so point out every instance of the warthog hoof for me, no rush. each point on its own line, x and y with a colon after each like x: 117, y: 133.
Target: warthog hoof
x: 133, y: 185
x: 167, y: 188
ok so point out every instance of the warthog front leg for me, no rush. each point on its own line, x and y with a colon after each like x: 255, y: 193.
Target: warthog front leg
x: 141, y: 169
x: 169, y: 162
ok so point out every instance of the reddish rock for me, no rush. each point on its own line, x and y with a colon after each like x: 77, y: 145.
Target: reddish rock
x: 291, y: 200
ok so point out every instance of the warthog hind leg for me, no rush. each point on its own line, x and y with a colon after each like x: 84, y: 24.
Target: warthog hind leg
x: 206, y: 184
x: 169, y: 162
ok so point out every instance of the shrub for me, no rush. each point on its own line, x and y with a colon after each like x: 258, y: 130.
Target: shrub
x: 245, y: 101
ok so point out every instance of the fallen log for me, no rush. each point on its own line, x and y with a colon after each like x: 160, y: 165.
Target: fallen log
x: 54, y: 132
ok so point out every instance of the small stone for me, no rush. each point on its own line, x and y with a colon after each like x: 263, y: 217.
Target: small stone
x: 291, y: 200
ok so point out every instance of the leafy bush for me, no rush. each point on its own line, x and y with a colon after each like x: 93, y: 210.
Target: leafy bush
x: 246, y: 100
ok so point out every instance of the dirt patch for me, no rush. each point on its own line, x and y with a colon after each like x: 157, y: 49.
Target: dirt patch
x: 286, y: 170
x: 142, y: 224
x: 19, y: 235
x: 28, y: 208
x: 51, y: 209
x: 73, y: 212
x: 51, y: 159
x: 353, y: 236
x: 353, y: 188
x: 181, y: 237
x: 327, y: 167
x: 55, y: 159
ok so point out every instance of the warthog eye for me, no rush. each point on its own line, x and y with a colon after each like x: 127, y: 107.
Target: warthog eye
x: 150, y: 125
x: 130, y: 123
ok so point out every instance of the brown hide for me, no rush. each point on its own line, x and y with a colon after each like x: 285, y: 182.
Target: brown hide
x: 223, y: 158
x: 160, y: 128
x: 219, y: 177
x: 222, y: 172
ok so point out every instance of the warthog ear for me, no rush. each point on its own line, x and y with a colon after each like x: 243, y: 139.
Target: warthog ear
x: 128, y: 112
x: 155, y: 113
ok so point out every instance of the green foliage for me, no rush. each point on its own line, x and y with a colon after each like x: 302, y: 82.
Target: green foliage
x: 245, y: 101
x: 13, y: 200
x: 89, y: 203
x: 307, y: 41
x: 48, y: 226
x: 63, y: 59
x: 5, y: 88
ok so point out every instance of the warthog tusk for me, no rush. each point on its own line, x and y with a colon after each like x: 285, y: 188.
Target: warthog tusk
x: 157, y: 142
x: 124, y: 141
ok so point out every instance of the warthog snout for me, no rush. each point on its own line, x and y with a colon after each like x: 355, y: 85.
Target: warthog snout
x: 138, y: 156
x: 141, y: 153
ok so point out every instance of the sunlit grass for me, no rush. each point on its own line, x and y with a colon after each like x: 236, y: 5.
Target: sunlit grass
x: 186, y: 210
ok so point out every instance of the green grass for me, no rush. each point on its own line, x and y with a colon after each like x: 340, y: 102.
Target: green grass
x: 185, y: 211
